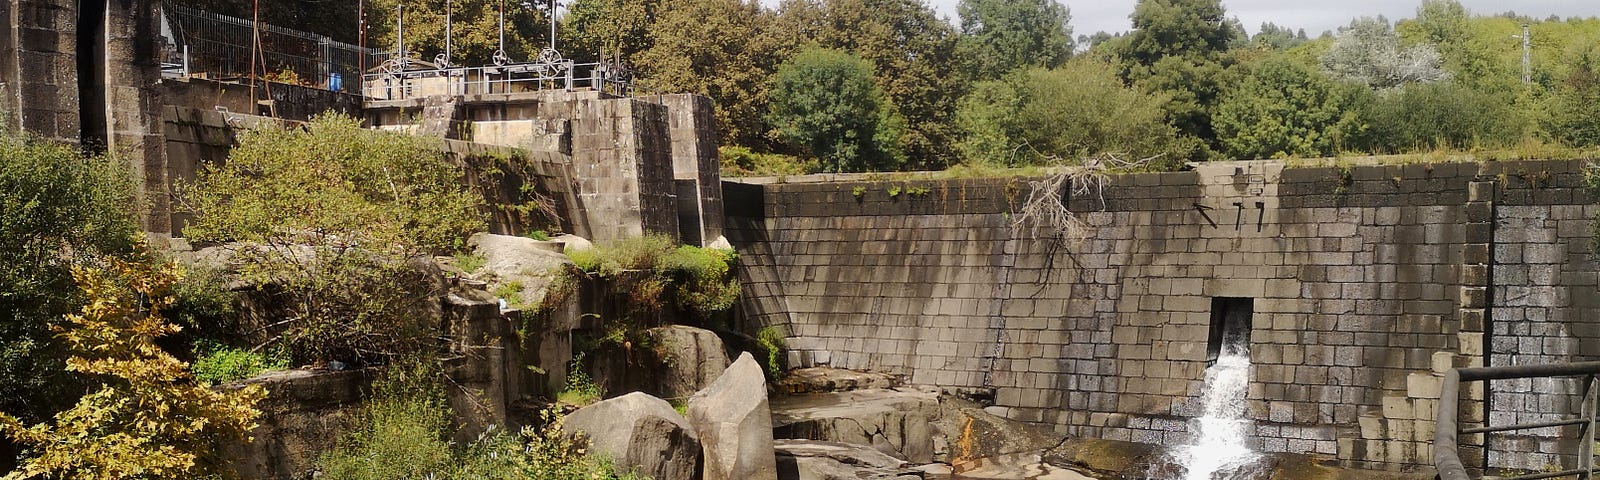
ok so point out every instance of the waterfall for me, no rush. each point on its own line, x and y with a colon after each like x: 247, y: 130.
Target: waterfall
x: 1220, y: 434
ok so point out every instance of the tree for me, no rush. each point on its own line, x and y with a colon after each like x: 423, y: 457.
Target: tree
x: 57, y: 209
x: 1166, y: 28
x: 616, y: 30
x: 1575, y: 117
x: 1176, y: 50
x: 474, y: 28
x: 149, y: 418
x: 913, y: 55
x: 328, y: 218
x: 825, y: 101
x: 998, y: 36
x: 1080, y: 109
x: 1285, y: 109
x: 723, y: 49
x: 1369, y: 51
x: 1447, y: 114
x: 1275, y: 37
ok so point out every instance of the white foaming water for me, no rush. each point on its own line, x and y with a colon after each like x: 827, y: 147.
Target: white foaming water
x: 1219, y: 444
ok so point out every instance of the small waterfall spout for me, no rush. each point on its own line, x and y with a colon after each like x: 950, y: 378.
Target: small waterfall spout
x: 1218, y: 450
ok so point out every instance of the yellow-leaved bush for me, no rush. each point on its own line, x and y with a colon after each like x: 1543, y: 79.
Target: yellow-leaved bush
x: 150, y: 418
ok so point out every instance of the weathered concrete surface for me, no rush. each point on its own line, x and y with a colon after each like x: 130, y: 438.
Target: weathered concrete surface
x: 734, y: 424
x: 641, y: 432
x: 894, y: 421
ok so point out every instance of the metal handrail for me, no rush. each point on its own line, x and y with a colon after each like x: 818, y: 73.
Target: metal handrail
x: 400, y: 83
x: 1446, y: 454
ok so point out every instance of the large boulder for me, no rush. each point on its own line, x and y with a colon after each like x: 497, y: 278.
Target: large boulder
x: 692, y: 357
x: 640, y: 432
x: 530, y: 265
x: 682, y: 361
x: 734, y: 424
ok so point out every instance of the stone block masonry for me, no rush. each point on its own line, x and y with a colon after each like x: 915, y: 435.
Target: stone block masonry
x: 1368, y: 283
x: 39, y: 67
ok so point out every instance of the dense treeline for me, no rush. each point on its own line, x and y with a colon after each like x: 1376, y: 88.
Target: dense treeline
x: 1010, y: 85
x: 852, y: 85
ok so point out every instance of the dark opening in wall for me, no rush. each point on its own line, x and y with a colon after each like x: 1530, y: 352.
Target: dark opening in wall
x: 91, y: 69
x: 1230, y: 326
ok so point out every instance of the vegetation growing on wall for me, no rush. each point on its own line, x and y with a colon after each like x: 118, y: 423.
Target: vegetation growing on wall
x: 328, y: 219
x: 148, y: 418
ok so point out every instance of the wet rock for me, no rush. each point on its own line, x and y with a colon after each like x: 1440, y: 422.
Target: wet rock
x: 1016, y: 466
x: 640, y: 431
x: 894, y: 421
x: 849, y: 454
x: 971, y: 432
x: 814, y: 468
x: 812, y: 459
x: 734, y: 424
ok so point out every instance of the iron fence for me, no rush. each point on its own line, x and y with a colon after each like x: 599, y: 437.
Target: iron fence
x: 219, y: 46
x: 401, y: 78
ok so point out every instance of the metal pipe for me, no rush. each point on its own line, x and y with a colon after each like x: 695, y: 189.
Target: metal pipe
x: 1522, y: 371
x: 447, y: 32
x: 1527, y: 426
x: 1446, y: 459
x: 400, y: 32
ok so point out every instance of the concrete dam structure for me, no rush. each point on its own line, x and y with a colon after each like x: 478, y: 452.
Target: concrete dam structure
x: 1357, y: 287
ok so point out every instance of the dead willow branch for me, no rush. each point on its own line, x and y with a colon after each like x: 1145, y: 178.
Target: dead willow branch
x: 1045, y: 213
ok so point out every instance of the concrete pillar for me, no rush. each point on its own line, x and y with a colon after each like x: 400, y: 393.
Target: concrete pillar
x: 133, y: 125
x: 696, y: 166
x: 38, y: 67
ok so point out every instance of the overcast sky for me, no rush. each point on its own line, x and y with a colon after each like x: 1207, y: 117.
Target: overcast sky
x: 1089, y: 16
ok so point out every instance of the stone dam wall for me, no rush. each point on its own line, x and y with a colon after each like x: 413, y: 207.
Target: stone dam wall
x: 1361, y: 286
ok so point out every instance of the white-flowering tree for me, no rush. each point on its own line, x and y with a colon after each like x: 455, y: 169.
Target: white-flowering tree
x: 1369, y: 51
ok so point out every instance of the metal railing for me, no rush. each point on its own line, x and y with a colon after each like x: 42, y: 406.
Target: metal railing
x: 220, y: 47
x: 402, y: 78
x: 1446, y: 453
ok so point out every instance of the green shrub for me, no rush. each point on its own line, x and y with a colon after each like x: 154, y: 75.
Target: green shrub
x: 743, y: 162
x: 704, y: 280
x: 217, y: 364
x: 539, y: 235
x: 203, y: 304
x: 771, y: 340
x: 470, y: 262
x: 402, y: 431
x: 581, y: 390
x: 57, y: 208
x: 340, y: 212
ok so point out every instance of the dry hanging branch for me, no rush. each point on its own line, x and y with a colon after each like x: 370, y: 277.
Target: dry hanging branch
x: 1045, y: 213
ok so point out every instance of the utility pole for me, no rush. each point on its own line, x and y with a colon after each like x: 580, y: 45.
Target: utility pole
x: 1527, y: 54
